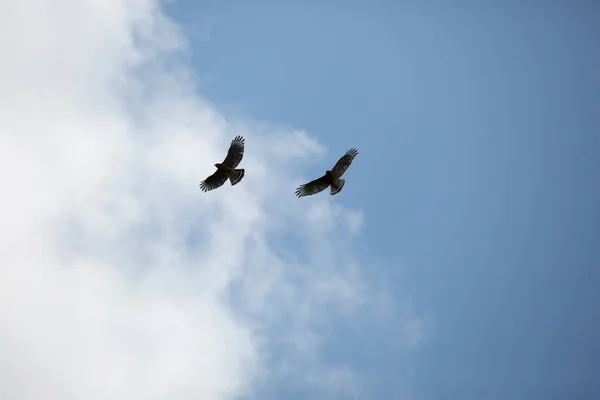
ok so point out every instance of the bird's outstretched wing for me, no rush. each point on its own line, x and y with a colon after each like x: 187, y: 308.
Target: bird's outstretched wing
x: 214, y: 181
x: 313, y: 187
x: 343, y: 163
x: 235, y: 153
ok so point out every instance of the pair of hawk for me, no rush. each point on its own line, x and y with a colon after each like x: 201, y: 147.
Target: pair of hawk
x: 227, y: 170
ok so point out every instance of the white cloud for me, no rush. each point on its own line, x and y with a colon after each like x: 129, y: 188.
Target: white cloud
x: 116, y: 272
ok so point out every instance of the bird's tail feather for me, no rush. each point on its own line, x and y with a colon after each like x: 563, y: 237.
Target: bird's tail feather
x: 237, y: 176
x: 337, y: 186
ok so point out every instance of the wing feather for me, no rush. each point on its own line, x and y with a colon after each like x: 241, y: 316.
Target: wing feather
x: 343, y: 163
x: 313, y: 187
x: 235, y: 152
x: 214, y: 181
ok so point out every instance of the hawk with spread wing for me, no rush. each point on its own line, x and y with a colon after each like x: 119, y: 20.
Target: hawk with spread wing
x: 331, y: 178
x: 227, y: 169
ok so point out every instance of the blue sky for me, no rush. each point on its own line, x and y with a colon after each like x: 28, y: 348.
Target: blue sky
x: 478, y: 128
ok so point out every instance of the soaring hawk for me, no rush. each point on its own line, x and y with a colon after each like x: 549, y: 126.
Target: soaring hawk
x: 226, y: 169
x: 331, y: 178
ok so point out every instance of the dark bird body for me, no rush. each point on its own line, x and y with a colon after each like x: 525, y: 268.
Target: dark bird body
x: 227, y: 169
x: 332, y: 178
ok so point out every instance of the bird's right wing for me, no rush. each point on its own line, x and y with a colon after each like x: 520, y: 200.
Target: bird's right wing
x: 235, y: 153
x: 214, y: 181
x: 343, y: 163
x: 313, y: 187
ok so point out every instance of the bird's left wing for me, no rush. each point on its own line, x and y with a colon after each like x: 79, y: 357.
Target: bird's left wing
x: 235, y: 153
x: 343, y: 163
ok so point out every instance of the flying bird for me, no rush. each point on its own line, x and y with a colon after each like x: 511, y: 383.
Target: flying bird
x: 227, y: 169
x: 331, y: 178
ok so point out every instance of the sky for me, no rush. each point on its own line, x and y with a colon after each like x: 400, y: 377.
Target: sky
x: 461, y: 259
